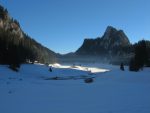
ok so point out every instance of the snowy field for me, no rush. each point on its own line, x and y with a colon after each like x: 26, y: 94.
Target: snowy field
x: 31, y: 90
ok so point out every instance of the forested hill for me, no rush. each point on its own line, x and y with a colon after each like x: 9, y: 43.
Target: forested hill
x: 16, y: 46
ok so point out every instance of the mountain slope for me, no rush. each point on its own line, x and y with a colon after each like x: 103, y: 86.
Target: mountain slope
x: 16, y: 46
x: 113, y: 42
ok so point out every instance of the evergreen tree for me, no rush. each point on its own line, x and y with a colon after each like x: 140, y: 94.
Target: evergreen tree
x: 140, y: 57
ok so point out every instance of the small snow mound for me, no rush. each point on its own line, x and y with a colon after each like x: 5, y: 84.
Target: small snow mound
x: 37, y: 63
x: 55, y: 65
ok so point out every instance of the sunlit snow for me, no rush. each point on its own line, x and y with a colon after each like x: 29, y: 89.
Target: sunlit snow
x: 113, y: 90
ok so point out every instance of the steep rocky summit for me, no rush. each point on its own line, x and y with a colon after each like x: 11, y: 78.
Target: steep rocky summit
x: 113, y: 37
x: 113, y: 43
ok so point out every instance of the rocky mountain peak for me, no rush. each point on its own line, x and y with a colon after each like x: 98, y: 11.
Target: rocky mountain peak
x: 112, y: 42
x: 108, y: 32
x: 113, y: 37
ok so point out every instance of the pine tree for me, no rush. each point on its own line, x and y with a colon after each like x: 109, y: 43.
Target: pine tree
x: 140, y: 58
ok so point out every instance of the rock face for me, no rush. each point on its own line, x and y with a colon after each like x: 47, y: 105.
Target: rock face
x: 113, y: 44
x: 113, y: 37
x: 7, y: 23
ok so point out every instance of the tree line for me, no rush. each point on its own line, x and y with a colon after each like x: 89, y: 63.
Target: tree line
x: 141, y: 56
x: 15, y: 50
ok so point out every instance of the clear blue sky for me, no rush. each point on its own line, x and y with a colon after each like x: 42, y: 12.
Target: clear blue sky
x: 62, y: 25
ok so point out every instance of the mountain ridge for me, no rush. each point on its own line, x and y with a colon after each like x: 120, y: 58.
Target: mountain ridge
x: 112, y: 46
x: 111, y: 39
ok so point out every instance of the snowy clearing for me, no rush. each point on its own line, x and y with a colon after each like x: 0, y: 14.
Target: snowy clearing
x: 113, y: 90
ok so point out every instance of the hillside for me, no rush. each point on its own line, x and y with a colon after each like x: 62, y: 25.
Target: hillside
x: 16, y: 46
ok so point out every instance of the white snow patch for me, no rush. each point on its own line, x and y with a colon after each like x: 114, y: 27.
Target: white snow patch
x: 82, y: 68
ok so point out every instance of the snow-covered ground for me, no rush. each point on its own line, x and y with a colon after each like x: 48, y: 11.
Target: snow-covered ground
x: 113, y: 91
